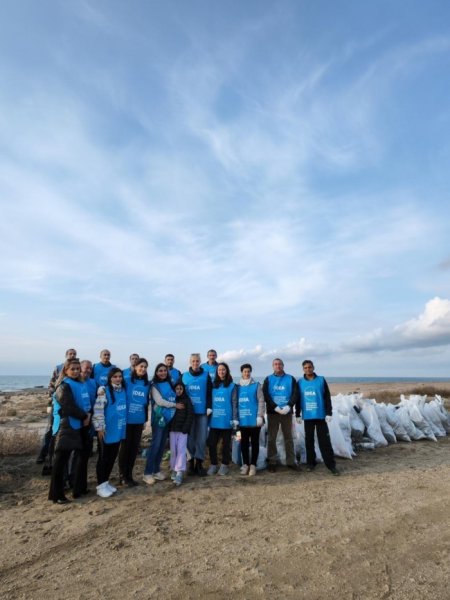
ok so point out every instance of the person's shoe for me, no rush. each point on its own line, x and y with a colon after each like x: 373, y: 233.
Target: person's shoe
x: 244, y: 470
x: 252, y: 471
x: 131, y: 483
x: 178, y: 479
x: 213, y: 469
x: 224, y: 470
x: 334, y: 471
x: 173, y: 474
x: 272, y: 467
x: 111, y: 487
x: 103, y: 490
x: 311, y: 468
x: 159, y: 476
x: 149, y: 479
x: 191, y: 468
x: 295, y: 467
x: 200, y: 470
x: 62, y: 501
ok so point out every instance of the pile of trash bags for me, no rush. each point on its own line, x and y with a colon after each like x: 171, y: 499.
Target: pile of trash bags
x: 364, y: 424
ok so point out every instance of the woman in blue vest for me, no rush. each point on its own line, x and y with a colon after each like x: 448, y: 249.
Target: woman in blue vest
x: 71, y: 400
x: 251, y: 407
x: 163, y: 399
x: 110, y: 419
x: 224, y: 418
x: 138, y: 397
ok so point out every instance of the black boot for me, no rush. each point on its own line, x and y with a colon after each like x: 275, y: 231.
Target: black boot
x: 201, y: 472
x: 191, y: 469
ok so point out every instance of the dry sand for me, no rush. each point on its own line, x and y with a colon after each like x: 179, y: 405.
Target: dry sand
x: 381, y: 530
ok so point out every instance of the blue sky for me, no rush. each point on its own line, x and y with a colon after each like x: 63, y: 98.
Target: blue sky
x: 265, y: 178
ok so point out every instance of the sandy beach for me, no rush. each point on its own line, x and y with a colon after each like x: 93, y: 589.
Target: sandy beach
x: 378, y: 531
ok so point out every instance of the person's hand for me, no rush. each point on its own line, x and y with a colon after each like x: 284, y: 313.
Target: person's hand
x: 278, y: 410
x: 286, y: 410
x: 234, y: 424
x: 299, y: 420
x: 208, y: 412
x: 87, y: 420
x: 328, y: 418
x: 101, y: 391
x: 100, y: 435
x: 179, y: 405
x: 259, y: 421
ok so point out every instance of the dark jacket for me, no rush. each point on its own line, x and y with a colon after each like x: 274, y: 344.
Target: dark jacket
x: 183, y: 417
x: 69, y: 408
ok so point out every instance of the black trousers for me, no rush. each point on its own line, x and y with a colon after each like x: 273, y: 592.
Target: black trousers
x: 323, y: 437
x: 80, y: 463
x: 215, y: 435
x: 250, y: 435
x: 129, y: 448
x: 107, y: 454
x: 60, y: 460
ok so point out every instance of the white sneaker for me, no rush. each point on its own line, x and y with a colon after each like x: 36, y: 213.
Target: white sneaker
x: 224, y: 470
x: 103, y: 490
x: 252, y: 471
x: 111, y: 487
x: 159, y: 476
x: 212, y: 470
x: 244, y: 470
x: 149, y: 479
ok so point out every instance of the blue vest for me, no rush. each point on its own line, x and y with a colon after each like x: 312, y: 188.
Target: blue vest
x: 210, y: 369
x: 137, y: 401
x: 126, y: 373
x: 222, y: 407
x: 280, y: 389
x: 168, y: 393
x: 115, y: 416
x: 312, y: 397
x: 92, y: 387
x: 196, y: 387
x: 100, y: 374
x: 175, y: 375
x: 56, y: 416
x: 248, y: 404
x: 82, y: 399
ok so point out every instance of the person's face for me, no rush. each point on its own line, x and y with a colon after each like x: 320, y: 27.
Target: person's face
x: 116, y: 379
x: 162, y: 372
x: 170, y: 361
x: 71, y: 353
x: 105, y: 355
x: 195, y: 363
x: 178, y: 390
x: 221, y: 372
x: 278, y: 366
x: 211, y: 356
x: 133, y: 359
x: 308, y: 369
x: 141, y: 369
x: 73, y: 371
x: 246, y: 373
x: 86, y: 370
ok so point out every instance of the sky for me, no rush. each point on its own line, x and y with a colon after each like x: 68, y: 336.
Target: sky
x: 263, y: 178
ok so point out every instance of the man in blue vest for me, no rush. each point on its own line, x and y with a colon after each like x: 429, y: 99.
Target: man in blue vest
x: 133, y: 360
x: 210, y: 366
x: 316, y: 411
x: 174, y: 374
x: 281, y: 397
x: 101, y: 369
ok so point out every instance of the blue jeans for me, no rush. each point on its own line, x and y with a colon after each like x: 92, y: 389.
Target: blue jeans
x: 197, y: 437
x: 156, y: 449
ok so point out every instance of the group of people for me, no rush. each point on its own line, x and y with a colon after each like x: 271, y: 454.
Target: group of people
x: 193, y: 410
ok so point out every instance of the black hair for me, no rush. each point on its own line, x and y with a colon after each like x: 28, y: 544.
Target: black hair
x: 169, y: 356
x: 133, y: 372
x: 113, y: 371
x: 228, y: 378
x: 184, y: 395
x: 157, y: 378
x: 246, y: 366
x: 307, y: 361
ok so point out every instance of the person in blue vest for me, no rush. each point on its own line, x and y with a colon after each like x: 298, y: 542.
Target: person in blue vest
x: 199, y: 388
x: 138, y: 398
x: 163, y: 399
x: 281, y: 397
x: 43, y: 453
x: 133, y: 362
x: 71, y: 399
x: 110, y: 419
x: 101, y: 369
x: 175, y: 374
x: 223, y: 419
x: 316, y: 411
x: 251, y: 408
x: 210, y: 366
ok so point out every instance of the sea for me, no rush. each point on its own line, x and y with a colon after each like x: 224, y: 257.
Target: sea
x: 10, y: 383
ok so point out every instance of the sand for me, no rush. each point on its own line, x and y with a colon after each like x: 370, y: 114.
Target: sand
x: 380, y: 530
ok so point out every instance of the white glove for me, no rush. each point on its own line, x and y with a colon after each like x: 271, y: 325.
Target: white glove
x: 259, y: 421
x: 286, y: 410
x: 234, y: 424
x: 299, y: 420
x: 278, y: 410
x: 49, y: 410
x: 328, y: 418
x: 208, y: 412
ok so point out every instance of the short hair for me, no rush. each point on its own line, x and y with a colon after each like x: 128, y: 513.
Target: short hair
x: 169, y: 356
x: 246, y: 366
x: 212, y: 350
x: 279, y: 360
x: 196, y: 355
x: 86, y: 361
x: 71, y: 350
x: 307, y: 362
x: 134, y: 354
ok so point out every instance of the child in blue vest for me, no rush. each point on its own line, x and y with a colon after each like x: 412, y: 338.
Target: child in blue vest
x: 180, y: 426
x: 110, y: 419
x: 223, y: 419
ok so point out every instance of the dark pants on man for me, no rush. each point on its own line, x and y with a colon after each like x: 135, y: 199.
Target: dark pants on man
x: 274, y: 422
x: 323, y: 437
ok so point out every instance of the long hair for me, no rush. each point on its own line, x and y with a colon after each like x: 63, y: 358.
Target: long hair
x: 63, y: 373
x: 133, y: 371
x: 157, y: 379
x: 228, y: 379
x: 113, y: 371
